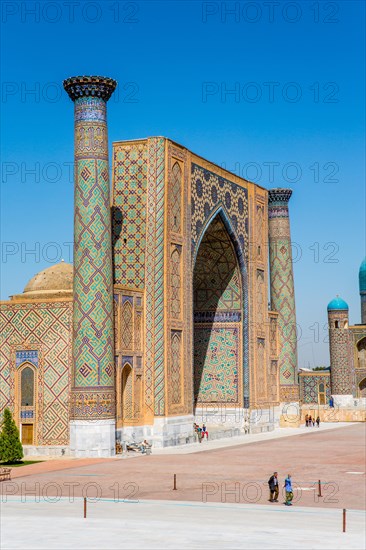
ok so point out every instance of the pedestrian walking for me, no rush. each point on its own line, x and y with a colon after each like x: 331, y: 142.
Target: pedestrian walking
x: 288, y: 489
x: 273, y: 487
x: 310, y: 421
x: 318, y: 421
x: 306, y: 420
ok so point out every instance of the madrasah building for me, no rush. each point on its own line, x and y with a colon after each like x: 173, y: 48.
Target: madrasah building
x: 163, y: 319
x: 345, y: 380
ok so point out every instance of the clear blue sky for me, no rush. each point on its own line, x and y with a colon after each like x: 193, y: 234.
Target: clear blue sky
x: 298, y: 74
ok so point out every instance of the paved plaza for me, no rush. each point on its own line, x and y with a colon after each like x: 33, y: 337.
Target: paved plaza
x: 161, y: 524
x: 221, y: 500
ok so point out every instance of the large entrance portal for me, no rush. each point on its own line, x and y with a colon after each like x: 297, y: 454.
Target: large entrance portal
x: 217, y: 295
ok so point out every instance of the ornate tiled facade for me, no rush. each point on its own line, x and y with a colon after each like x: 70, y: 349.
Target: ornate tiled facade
x: 179, y: 286
x: 175, y: 368
x: 129, y: 358
x: 212, y: 195
x: 341, y: 357
x: 129, y: 213
x: 154, y: 280
x: 39, y: 335
x: 191, y: 324
x: 282, y: 290
x: 198, y: 196
x: 315, y: 388
x: 169, y: 304
x: 212, y: 192
x: 358, y: 339
x: 93, y: 356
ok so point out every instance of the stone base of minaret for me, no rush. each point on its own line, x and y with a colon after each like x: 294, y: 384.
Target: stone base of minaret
x: 164, y: 432
x: 93, y: 438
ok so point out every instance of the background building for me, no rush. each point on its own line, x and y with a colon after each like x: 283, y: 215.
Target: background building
x: 345, y: 381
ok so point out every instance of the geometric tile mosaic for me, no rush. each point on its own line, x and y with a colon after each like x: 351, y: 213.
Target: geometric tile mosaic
x: 216, y: 364
x: 211, y: 194
x: 282, y: 287
x: 309, y: 388
x: 129, y: 213
x: 39, y: 333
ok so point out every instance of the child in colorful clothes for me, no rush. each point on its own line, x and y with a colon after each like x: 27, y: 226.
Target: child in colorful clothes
x: 197, y: 429
x: 288, y: 489
x: 204, y: 431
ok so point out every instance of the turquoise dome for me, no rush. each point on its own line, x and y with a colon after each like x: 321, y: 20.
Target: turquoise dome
x: 337, y: 303
x: 362, y: 276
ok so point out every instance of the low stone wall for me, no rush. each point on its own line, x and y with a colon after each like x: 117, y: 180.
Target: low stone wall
x: 333, y: 414
x: 218, y: 433
x: 50, y: 450
x: 289, y: 421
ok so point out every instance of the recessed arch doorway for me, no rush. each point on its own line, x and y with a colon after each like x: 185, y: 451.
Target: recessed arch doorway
x: 218, y: 319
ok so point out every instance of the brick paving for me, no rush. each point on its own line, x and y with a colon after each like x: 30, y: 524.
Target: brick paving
x: 45, y: 466
x: 233, y: 474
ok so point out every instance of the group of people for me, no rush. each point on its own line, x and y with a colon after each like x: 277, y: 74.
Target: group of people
x: 274, y: 489
x: 201, y: 432
x: 310, y: 421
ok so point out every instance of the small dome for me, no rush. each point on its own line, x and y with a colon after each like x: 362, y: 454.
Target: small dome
x: 362, y: 276
x: 56, y: 278
x: 337, y: 303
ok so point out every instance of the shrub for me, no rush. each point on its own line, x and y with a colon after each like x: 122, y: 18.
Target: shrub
x: 11, y: 449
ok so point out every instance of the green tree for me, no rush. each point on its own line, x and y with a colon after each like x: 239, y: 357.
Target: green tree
x: 11, y: 449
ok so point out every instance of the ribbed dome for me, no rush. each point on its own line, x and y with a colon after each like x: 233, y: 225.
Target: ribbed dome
x: 337, y: 303
x: 362, y: 276
x: 56, y: 278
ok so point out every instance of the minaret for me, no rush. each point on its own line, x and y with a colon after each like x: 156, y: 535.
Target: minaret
x: 340, y: 353
x: 282, y: 290
x: 92, y: 414
x: 362, y: 282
